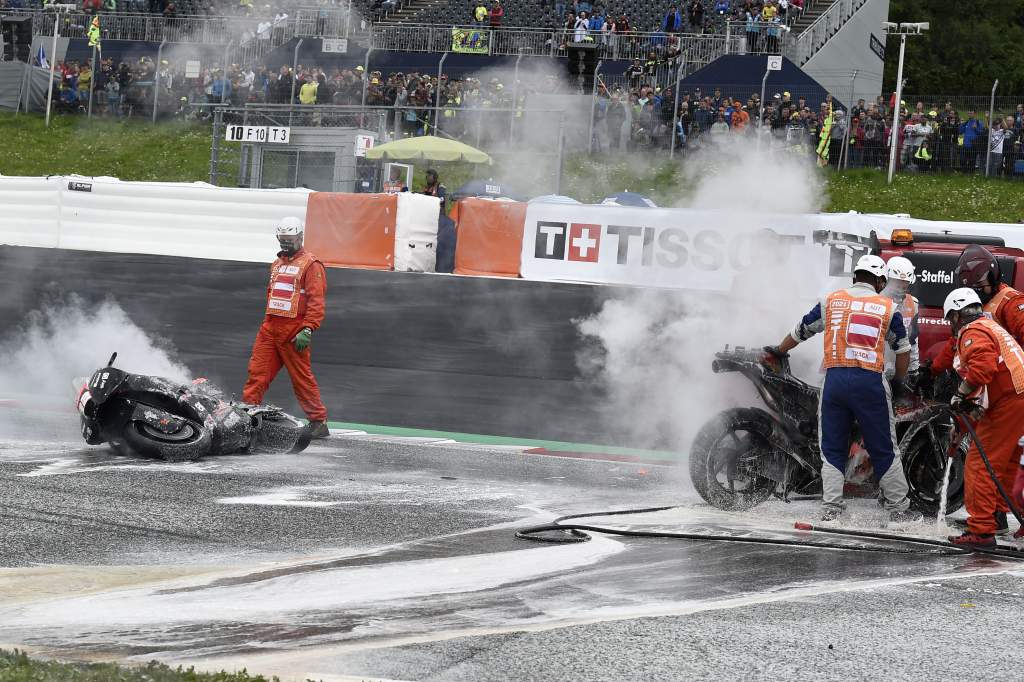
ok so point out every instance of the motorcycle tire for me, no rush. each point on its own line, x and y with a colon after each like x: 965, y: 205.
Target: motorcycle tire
x: 191, y: 443
x: 925, y: 476
x: 747, y: 429
x: 280, y: 433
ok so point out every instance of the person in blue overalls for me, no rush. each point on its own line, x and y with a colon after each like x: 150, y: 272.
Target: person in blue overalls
x: 858, y: 323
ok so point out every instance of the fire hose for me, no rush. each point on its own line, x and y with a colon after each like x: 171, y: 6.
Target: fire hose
x: 558, y: 531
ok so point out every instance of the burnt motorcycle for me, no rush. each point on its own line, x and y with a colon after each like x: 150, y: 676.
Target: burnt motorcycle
x: 156, y: 417
x: 745, y: 455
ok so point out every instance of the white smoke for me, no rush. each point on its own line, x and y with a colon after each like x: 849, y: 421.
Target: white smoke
x: 654, y: 348
x: 69, y: 339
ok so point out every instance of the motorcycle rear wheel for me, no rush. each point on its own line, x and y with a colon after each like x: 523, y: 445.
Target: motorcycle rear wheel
x: 190, y: 443
x: 925, y: 475
x: 725, y: 458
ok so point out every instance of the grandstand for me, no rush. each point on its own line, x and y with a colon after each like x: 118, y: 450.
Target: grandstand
x: 826, y: 45
x: 644, y: 15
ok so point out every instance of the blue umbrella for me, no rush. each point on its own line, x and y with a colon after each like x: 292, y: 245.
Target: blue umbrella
x: 629, y: 199
x: 487, y: 188
x: 553, y: 199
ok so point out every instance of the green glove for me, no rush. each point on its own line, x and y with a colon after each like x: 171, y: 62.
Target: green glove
x: 302, y: 339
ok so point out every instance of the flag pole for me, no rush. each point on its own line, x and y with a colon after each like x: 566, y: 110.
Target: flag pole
x: 92, y: 80
x: 53, y: 66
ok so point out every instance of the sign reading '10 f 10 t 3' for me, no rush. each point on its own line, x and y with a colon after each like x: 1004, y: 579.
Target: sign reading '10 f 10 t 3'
x: 240, y: 133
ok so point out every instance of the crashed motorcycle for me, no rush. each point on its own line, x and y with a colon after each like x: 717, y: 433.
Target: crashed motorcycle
x: 156, y: 417
x: 745, y: 455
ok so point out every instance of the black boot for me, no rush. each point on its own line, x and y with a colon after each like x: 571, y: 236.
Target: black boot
x: 318, y: 429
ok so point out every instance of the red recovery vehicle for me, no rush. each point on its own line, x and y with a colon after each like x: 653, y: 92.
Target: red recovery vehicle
x: 935, y: 257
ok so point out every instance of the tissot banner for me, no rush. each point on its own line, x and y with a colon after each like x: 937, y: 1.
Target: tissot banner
x: 678, y: 248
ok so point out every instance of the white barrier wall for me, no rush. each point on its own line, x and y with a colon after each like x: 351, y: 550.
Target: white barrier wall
x: 416, y: 232
x: 165, y: 218
x: 30, y: 211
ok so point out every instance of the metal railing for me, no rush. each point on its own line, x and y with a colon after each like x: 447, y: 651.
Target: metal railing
x: 705, y: 48
x: 329, y: 23
x: 813, y: 38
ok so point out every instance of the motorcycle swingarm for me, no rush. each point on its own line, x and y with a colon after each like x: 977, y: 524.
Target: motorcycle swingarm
x: 161, y: 420
x: 783, y: 445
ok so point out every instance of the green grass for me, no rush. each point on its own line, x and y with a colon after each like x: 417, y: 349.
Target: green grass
x: 934, y: 197
x: 16, y: 666
x: 135, y: 150
x: 130, y: 150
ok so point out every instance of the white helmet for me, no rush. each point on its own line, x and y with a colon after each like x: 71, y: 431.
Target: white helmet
x: 899, y: 267
x: 958, y: 299
x: 289, y: 227
x: 872, y: 264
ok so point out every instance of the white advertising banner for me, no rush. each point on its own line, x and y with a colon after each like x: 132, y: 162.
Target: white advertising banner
x: 675, y: 248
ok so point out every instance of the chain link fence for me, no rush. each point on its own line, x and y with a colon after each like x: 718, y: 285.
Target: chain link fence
x: 318, y: 151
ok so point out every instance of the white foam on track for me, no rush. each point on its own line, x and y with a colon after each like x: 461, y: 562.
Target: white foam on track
x: 279, y: 599
x: 285, y: 497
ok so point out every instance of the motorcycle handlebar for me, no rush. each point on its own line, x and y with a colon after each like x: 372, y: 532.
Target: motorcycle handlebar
x: 730, y: 359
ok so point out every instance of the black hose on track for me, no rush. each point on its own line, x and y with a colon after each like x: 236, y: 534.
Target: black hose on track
x: 575, y: 532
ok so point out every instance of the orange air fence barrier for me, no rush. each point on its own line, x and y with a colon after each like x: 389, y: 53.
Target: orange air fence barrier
x: 352, y: 230
x: 490, y: 237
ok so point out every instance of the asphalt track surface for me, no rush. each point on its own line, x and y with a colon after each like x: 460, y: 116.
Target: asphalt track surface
x: 370, y: 557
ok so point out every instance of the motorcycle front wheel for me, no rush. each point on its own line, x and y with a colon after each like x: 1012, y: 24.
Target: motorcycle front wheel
x: 727, y: 458
x: 191, y: 442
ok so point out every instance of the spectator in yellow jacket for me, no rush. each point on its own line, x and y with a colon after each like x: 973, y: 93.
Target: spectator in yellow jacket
x: 307, y: 93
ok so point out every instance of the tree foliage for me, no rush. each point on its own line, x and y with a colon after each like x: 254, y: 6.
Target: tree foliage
x: 969, y: 45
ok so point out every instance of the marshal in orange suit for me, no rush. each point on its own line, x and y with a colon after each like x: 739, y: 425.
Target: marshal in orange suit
x: 991, y: 368
x: 295, y: 309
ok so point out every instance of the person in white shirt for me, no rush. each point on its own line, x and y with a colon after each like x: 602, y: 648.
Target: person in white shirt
x: 997, y: 135
x: 580, y: 29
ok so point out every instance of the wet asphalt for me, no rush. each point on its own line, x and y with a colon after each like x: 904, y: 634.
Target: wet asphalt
x: 397, y: 559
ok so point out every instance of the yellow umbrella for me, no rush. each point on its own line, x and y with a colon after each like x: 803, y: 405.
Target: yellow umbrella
x: 428, y: 147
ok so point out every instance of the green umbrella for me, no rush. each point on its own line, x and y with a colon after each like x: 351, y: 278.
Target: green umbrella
x: 427, y: 147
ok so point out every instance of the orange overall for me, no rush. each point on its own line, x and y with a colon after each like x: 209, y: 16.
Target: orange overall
x: 295, y: 300
x: 1006, y: 308
x: 988, y: 357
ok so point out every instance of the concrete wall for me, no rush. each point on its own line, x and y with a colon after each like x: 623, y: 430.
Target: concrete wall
x: 469, y: 354
x: 848, y: 51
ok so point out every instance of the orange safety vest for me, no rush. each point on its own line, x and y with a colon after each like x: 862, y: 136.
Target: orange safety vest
x: 997, y: 301
x: 285, y: 282
x: 1010, y: 352
x: 856, y: 329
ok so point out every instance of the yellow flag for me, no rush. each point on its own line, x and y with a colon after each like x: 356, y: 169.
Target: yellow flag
x: 94, y: 33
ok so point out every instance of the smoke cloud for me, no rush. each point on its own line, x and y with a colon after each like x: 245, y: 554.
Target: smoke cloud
x: 67, y: 339
x: 652, y: 349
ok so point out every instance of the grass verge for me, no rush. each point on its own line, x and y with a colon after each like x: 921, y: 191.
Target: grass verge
x: 175, y: 151
x: 16, y: 666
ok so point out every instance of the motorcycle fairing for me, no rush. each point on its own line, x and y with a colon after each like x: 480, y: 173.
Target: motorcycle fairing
x: 104, y: 383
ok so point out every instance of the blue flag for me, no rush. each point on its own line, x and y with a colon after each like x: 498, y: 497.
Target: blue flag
x: 41, y: 58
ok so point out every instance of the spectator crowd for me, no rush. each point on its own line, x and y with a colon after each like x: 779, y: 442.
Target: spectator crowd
x: 929, y: 139
x: 762, y: 20
x: 631, y: 115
